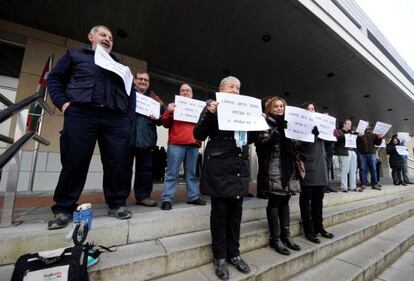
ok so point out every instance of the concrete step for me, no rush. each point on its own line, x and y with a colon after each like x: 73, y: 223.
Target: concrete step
x: 266, y: 264
x: 401, y: 270
x: 369, y: 259
x: 157, y: 224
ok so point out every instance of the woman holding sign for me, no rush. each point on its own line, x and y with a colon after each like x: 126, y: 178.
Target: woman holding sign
x: 224, y: 177
x: 316, y: 178
x: 279, y: 173
x: 396, y: 161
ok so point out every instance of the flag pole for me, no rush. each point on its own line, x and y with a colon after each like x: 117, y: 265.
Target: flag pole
x: 39, y: 128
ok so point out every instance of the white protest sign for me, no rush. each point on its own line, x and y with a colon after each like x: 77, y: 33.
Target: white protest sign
x: 299, y: 124
x: 362, y: 125
x: 187, y: 109
x: 104, y: 60
x: 239, y: 113
x: 350, y: 141
x: 382, y: 144
x: 402, y: 150
x: 381, y: 128
x: 326, y: 126
x: 147, y: 106
x: 403, y: 136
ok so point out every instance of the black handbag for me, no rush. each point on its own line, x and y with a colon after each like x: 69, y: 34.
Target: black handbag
x: 66, y: 264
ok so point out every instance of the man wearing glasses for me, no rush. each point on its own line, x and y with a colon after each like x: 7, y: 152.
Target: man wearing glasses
x: 145, y: 139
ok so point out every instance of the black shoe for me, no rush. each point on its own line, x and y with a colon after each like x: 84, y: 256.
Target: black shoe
x: 166, y: 206
x: 313, y: 238
x: 376, y: 186
x: 326, y: 190
x: 363, y: 186
x: 220, y: 267
x: 345, y: 190
x: 379, y: 184
x: 330, y: 189
x: 403, y: 184
x: 288, y: 241
x: 250, y: 195
x: 279, y: 247
x: 240, y: 264
x: 59, y: 220
x: 326, y: 234
x: 121, y: 213
x: 197, y: 201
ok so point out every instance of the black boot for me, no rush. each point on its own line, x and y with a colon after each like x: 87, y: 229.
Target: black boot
x: 274, y: 228
x: 287, y: 239
x: 278, y: 245
x: 284, y: 218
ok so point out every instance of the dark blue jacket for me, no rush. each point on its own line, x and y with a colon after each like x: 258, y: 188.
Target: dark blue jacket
x: 77, y: 79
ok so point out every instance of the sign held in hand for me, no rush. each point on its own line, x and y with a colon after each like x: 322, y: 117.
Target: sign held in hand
x: 188, y: 110
x: 240, y: 113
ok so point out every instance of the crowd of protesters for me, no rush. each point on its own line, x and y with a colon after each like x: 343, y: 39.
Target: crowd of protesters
x: 98, y: 108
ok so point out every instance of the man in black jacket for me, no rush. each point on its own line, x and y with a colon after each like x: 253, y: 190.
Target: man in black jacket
x: 96, y: 107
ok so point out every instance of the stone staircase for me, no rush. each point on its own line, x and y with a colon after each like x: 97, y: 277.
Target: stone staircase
x: 372, y: 229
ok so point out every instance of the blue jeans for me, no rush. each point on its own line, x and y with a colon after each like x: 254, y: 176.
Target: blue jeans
x: 368, y: 161
x: 176, y: 155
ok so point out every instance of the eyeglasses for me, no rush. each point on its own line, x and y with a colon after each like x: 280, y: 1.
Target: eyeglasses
x: 143, y: 79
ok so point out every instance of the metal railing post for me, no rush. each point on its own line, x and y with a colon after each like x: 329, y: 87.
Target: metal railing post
x: 13, y: 177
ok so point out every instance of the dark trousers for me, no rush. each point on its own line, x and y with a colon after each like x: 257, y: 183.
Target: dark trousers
x: 225, y: 219
x: 81, y: 129
x: 278, y: 215
x: 310, y: 203
x: 261, y: 178
x: 397, y: 176
x: 143, y: 173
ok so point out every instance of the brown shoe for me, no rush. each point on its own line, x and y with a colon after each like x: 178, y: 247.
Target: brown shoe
x: 147, y: 202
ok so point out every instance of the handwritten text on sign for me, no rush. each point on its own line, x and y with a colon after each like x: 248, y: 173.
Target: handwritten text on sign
x: 402, y: 150
x: 239, y: 113
x: 104, y: 60
x: 299, y: 124
x: 362, y: 126
x: 147, y: 106
x: 350, y: 141
x: 187, y: 109
x: 326, y: 126
x: 381, y: 128
x: 403, y: 136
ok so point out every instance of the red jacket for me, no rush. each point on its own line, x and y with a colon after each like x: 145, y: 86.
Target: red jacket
x: 179, y: 132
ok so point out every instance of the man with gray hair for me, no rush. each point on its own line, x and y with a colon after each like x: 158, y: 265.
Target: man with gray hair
x: 96, y: 108
x: 225, y: 178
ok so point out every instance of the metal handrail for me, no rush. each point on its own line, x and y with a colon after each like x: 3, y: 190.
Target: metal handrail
x: 5, y: 100
x: 13, y: 152
x: 14, y: 148
x: 6, y: 139
x: 14, y: 108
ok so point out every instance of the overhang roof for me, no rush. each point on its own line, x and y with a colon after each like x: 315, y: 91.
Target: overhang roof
x: 207, y: 40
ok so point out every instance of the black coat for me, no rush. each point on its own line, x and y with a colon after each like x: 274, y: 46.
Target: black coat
x: 225, y: 169
x: 269, y: 144
x: 315, y: 163
x: 340, y: 148
x: 396, y: 160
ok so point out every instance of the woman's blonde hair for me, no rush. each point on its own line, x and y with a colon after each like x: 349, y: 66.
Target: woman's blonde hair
x: 270, y: 104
